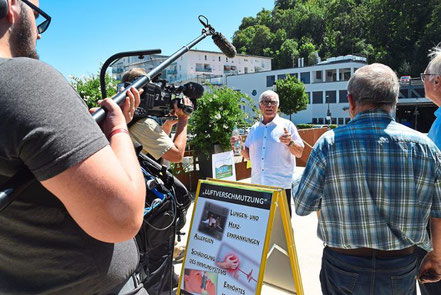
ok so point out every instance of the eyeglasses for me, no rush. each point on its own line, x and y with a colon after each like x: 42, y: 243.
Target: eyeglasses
x: 423, y: 76
x: 42, y: 27
x: 269, y: 102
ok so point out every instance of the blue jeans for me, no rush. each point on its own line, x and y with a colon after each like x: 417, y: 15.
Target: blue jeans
x: 428, y: 288
x: 346, y: 274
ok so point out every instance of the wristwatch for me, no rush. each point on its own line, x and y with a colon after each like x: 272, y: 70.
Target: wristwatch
x: 291, y: 143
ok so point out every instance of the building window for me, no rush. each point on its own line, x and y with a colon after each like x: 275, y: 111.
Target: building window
x: 219, y: 58
x: 246, y: 70
x: 304, y: 78
x: 226, y: 59
x: 318, y: 75
x: 295, y: 75
x: 343, y: 96
x: 347, y: 120
x: 340, y: 121
x: 245, y: 59
x: 334, y: 120
x: 205, y: 57
x: 317, y: 97
x: 281, y: 77
x: 331, y: 96
x: 320, y: 120
x: 314, y: 120
x: 309, y: 97
x: 270, y: 80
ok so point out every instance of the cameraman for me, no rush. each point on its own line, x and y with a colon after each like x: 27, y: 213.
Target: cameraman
x: 154, y: 139
x: 70, y: 231
x: 156, y: 142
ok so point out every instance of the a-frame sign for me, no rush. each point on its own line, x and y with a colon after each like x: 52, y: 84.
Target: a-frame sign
x: 240, y: 238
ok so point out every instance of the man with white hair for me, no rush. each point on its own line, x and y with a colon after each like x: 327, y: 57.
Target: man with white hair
x: 432, y: 86
x: 272, y: 146
x: 376, y: 184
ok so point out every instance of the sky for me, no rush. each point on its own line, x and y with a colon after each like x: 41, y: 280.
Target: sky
x: 84, y: 33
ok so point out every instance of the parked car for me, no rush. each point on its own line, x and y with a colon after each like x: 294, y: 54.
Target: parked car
x: 405, y: 79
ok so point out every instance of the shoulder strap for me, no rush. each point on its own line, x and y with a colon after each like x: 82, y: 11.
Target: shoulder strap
x: 140, y: 113
x: 16, y: 184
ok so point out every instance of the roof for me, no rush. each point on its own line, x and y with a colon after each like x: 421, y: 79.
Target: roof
x: 215, y: 52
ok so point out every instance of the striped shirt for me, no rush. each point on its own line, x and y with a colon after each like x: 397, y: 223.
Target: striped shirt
x: 376, y: 183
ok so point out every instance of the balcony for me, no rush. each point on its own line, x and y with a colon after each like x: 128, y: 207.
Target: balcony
x: 204, y: 70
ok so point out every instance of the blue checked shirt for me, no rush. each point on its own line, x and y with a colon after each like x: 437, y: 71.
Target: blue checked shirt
x: 376, y: 183
x: 435, y: 130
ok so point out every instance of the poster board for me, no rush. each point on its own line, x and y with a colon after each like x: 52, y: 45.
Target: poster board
x: 240, y: 237
x: 223, y: 166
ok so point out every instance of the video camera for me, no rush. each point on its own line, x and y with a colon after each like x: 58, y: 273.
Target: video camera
x: 158, y: 98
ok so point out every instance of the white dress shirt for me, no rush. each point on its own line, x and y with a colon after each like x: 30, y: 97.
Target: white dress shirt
x: 271, y: 160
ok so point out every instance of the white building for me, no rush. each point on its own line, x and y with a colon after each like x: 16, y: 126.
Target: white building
x: 325, y: 84
x: 198, y: 66
x: 147, y: 63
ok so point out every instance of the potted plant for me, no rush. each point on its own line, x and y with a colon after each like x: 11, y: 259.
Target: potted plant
x: 211, y: 124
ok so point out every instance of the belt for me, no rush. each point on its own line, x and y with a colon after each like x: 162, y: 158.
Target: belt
x: 369, y: 252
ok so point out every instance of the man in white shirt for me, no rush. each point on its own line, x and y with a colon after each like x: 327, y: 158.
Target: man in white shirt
x: 272, y: 145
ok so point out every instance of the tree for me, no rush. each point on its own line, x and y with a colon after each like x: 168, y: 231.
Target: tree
x: 396, y: 33
x: 89, y: 88
x: 288, y: 54
x: 262, y: 38
x: 292, y: 95
x: 218, y: 111
x: 308, y: 51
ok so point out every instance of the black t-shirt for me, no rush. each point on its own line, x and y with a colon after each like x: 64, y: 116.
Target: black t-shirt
x: 45, y: 126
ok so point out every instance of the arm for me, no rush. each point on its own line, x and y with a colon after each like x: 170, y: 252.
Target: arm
x: 295, y: 149
x: 245, y: 152
x: 309, y: 193
x: 176, y: 152
x: 168, y: 125
x: 430, y: 269
x: 105, y: 193
x: 293, y: 142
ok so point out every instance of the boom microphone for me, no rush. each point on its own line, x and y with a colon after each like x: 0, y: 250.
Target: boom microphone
x: 226, y: 47
x: 192, y: 90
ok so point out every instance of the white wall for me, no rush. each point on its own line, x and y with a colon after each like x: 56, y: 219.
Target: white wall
x: 257, y: 82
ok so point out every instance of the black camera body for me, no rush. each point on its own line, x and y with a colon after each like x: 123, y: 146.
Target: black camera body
x: 158, y: 99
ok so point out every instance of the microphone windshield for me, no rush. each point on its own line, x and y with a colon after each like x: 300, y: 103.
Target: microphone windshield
x: 193, y: 90
x: 226, y: 47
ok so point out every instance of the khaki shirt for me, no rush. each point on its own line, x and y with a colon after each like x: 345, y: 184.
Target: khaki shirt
x: 149, y: 133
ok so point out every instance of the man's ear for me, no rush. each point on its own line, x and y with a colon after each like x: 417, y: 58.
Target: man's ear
x: 13, y: 11
x: 437, y: 82
x: 351, y: 105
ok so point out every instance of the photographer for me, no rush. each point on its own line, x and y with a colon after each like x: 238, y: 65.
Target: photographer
x: 156, y: 142
x: 70, y: 231
x: 154, y: 139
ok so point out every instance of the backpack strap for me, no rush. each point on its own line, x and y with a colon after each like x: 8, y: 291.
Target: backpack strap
x: 14, y: 185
